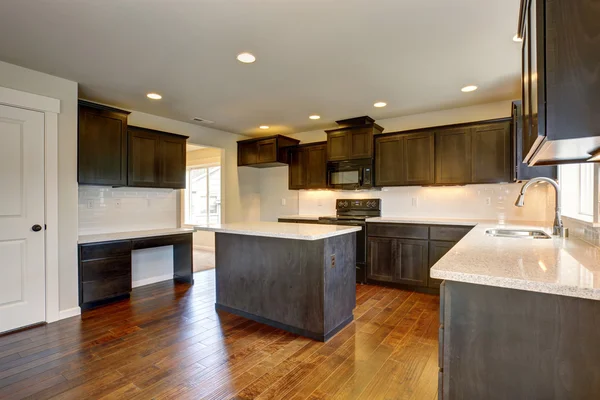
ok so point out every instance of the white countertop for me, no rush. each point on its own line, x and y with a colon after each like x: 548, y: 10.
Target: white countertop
x: 281, y: 230
x: 568, y: 267
x: 107, y: 237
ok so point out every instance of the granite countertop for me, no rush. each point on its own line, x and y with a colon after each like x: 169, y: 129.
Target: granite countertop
x: 425, y: 220
x: 282, y: 230
x: 107, y: 237
x: 562, y: 266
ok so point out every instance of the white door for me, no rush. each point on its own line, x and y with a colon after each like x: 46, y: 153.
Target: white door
x: 22, y: 269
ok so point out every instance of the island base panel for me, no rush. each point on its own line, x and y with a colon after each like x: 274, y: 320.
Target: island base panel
x: 298, y: 331
x: 499, y: 343
x: 301, y: 284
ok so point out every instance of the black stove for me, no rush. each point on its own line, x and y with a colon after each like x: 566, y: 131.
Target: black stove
x: 355, y: 212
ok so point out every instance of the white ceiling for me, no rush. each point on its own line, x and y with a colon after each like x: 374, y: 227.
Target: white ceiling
x: 334, y: 58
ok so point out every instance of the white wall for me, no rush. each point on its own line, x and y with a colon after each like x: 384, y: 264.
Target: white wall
x: 471, y: 201
x: 18, y: 78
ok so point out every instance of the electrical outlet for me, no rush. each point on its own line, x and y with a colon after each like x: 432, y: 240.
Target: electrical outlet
x: 320, y: 203
x: 415, y: 202
x: 118, y: 203
x: 148, y: 203
x: 283, y: 202
x: 488, y: 201
x: 333, y: 261
x: 90, y: 204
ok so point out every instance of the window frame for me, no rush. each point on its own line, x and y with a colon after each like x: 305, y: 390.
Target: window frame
x: 187, y: 193
x: 570, y: 187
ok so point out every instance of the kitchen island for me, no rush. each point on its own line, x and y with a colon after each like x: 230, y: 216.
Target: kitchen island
x: 296, y: 277
x: 519, y: 318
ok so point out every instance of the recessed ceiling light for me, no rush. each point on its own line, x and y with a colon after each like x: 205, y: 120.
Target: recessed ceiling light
x: 380, y: 104
x: 246, y: 58
x: 264, y: 127
x: 154, y: 96
x: 315, y: 117
x: 517, y: 39
x: 470, y: 88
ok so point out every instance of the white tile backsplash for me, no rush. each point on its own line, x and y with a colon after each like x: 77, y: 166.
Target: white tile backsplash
x: 126, y: 209
x: 490, y: 202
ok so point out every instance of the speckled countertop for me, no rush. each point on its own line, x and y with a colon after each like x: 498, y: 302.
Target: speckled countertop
x: 568, y: 267
x: 301, y: 217
x: 425, y: 220
x: 107, y: 237
x: 282, y: 230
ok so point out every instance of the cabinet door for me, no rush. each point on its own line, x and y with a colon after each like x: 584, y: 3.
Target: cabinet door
x: 267, y: 151
x: 418, y: 159
x: 102, y: 147
x: 361, y: 143
x: 411, y: 262
x: 297, y: 169
x: 388, y: 161
x: 172, y: 162
x: 437, y: 250
x: 144, y: 158
x: 338, y: 146
x: 453, y: 156
x: 382, y: 259
x: 491, y: 153
x: 316, y: 167
x: 247, y: 153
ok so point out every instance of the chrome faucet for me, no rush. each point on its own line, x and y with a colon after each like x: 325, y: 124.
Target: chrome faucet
x: 558, y: 228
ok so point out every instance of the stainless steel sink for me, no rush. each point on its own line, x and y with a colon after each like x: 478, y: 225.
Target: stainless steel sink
x: 518, y: 233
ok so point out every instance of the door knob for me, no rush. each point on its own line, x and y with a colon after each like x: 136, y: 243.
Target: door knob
x: 36, y: 228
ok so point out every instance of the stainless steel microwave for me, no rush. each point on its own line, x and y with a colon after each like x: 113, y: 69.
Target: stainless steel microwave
x: 350, y: 175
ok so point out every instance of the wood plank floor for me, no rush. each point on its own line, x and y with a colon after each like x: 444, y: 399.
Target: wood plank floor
x: 168, y: 342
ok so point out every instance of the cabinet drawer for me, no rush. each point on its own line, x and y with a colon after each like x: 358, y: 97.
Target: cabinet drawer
x: 105, y: 250
x: 105, y: 289
x: 106, y: 268
x: 402, y: 231
x: 450, y: 233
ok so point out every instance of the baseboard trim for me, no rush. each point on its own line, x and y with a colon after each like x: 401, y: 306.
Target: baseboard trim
x: 150, y: 281
x: 71, y: 312
x: 205, y: 248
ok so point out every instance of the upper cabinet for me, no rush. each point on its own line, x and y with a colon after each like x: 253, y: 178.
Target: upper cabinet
x: 156, y: 159
x: 111, y: 153
x: 102, y: 145
x: 308, y: 166
x: 524, y: 172
x: 265, y: 152
x: 353, y: 139
x: 479, y: 152
x: 560, y: 81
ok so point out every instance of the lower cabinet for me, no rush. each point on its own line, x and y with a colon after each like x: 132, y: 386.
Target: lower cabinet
x: 404, y: 253
x: 398, y: 260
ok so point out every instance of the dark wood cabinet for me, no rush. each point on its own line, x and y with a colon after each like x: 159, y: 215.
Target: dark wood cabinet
x: 316, y: 168
x: 389, y: 163
x: 453, y: 156
x: 523, y: 171
x: 308, y: 166
x: 405, y: 159
x: 402, y: 254
x: 102, y: 145
x: 437, y: 250
x: 297, y: 168
x: 561, y: 91
x: 402, y: 261
x: 491, y: 148
x: 353, y: 140
x: 265, y: 152
x: 144, y: 149
x: 156, y: 159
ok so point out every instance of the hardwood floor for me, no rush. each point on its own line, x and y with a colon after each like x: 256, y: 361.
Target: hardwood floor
x: 168, y: 342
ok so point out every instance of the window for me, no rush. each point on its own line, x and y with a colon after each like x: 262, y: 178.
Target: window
x: 579, y: 185
x: 203, y: 195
